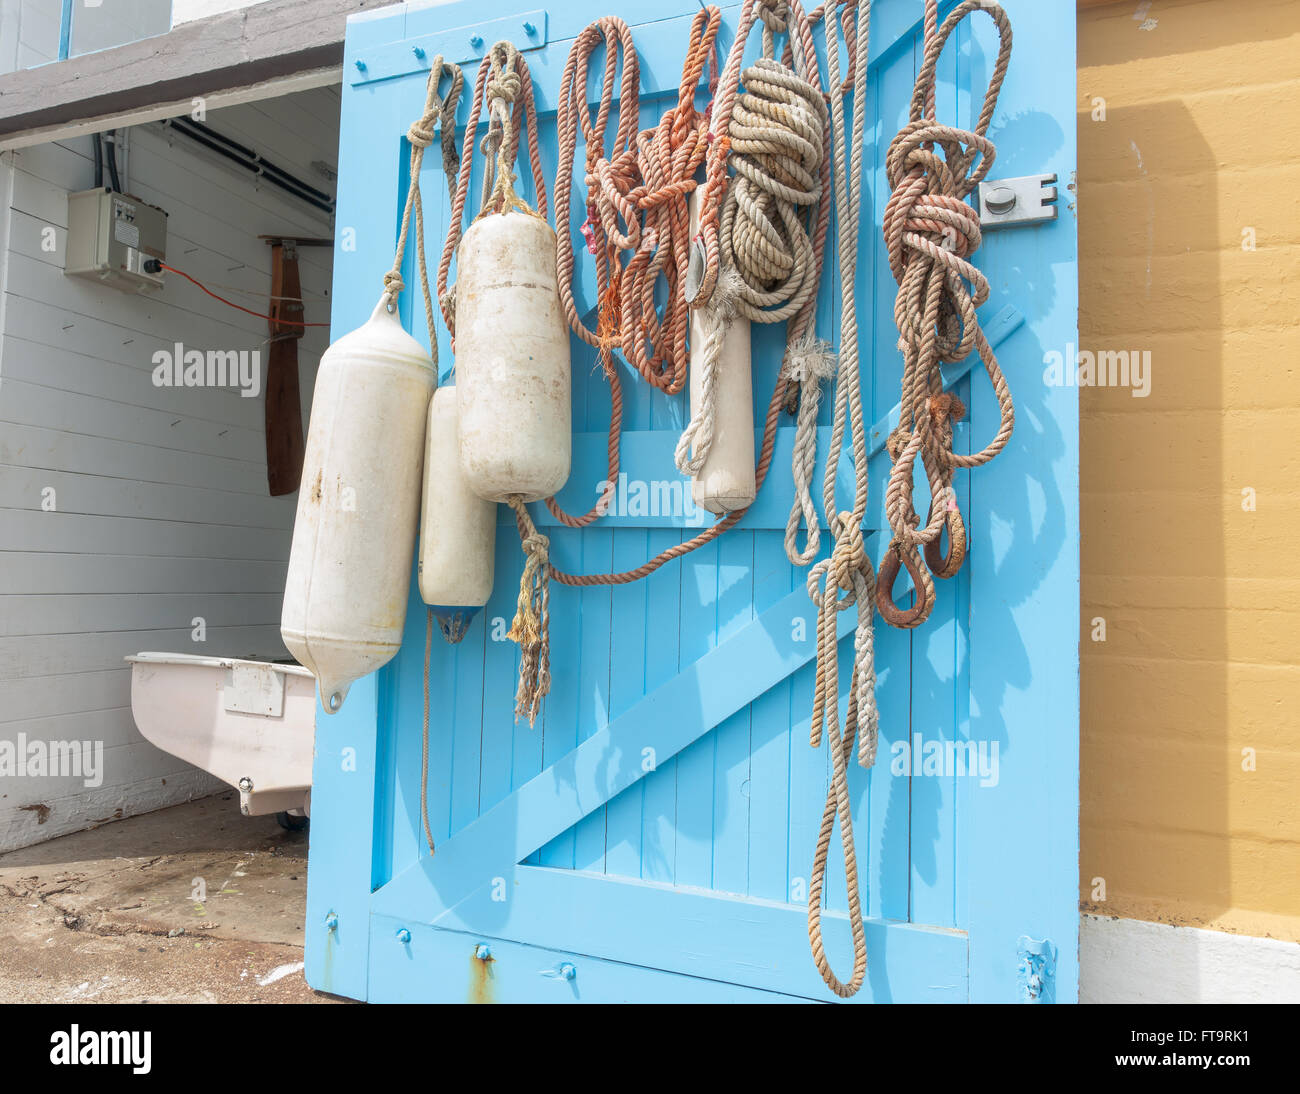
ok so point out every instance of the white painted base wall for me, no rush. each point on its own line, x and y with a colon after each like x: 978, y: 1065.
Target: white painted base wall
x: 1132, y: 961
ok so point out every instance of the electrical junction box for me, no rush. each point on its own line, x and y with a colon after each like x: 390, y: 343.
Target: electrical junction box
x: 111, y: 236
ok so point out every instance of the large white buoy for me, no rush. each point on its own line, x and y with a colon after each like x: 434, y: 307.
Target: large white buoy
x: 725, y: 481
x: 358, y: 505
x: 457, y: 527
x: 512, y: 359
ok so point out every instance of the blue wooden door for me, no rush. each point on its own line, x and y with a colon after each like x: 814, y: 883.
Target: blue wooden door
x: 651, y: 838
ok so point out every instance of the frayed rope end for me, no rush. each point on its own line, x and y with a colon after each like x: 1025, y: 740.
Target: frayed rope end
x: 811, y: 359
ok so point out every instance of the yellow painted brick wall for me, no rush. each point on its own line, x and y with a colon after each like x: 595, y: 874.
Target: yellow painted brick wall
x: 1189, y: 146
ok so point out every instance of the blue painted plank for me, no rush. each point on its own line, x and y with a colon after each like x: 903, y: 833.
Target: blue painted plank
x: 522, y: 973
x: 731, y: 802
x: 631, y: 647
x: 663, y: 630
x: 1024, y: 573
x: 498, y: 667
x: 699, y: 615
x: 715, y: 936
x: 768, y: 791
x: 651, y: 494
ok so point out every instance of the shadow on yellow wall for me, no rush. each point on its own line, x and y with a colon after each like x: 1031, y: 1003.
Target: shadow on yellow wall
x: 1190, y: 749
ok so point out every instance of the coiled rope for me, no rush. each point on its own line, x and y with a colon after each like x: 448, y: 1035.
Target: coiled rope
x: 767, y: 224
x: 846, y: 579
x: 637, y: 193
x: 604, y: 235
x: 680, y: 139
x: 931, y: 231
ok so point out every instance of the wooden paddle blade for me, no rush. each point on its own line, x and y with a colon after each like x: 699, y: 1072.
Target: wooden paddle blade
x: 284, y: 441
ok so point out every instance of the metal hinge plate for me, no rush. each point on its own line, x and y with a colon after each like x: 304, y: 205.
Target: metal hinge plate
x: 1029, y: 199
x: 254, y: 689
x: 1036, y: 969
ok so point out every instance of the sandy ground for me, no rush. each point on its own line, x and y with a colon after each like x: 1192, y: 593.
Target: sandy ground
x: 190, y: 904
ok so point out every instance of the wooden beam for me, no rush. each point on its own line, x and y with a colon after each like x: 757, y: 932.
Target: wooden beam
x: 265, y: 42
x: 726, y: 937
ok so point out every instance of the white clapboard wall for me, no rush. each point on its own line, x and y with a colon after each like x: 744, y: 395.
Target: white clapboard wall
x: 162, y: 512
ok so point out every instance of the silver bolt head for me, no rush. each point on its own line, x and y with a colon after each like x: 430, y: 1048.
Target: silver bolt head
x: 1000, y: 200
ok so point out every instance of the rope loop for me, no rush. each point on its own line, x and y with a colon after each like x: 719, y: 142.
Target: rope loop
x: 931, y: 231
x: 439, y: 113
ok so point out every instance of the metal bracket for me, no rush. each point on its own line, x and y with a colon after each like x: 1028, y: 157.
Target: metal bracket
x: 1029, y: 199
x: 1036, y: 969
x: 254, y: 689
x: 461, y: 45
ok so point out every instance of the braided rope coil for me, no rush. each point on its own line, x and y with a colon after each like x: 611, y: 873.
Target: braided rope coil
x: 931, y: 231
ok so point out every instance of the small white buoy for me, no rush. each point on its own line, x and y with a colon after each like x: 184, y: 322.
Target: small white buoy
x: 457, y: 527
x: 725, y: 481
x: 512, y: 359
x: 358, y: 505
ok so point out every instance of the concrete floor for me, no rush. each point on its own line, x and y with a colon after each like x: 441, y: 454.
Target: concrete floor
x: 190, y: 904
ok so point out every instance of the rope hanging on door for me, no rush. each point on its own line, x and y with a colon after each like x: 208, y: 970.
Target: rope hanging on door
x: 609, y: 231
x: 505, y: 88
x: 649, y: 217
x: 931, y: 231
x: 629, y: 188
x: 846, y: 579
x: 440, y: 114
x: 763, y: 231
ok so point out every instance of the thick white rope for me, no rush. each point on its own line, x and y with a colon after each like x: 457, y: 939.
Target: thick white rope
x: 769, y: 270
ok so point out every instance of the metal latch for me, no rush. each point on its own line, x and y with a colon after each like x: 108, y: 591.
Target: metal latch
x: 1025, y: 200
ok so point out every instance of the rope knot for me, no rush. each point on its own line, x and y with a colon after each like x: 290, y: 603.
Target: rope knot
x: 946, y: 407
x: 421, y: 132
x: 849, y: 558
x: 504, y: 82
x: 775, y: 15
x: 896, y: 442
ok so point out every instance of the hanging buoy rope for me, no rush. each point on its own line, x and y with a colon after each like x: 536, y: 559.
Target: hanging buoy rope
x: 931, y: 231
x: 531, y: 625
x: 846, y: 579
x: 440, y: 115
x: 504, y: 88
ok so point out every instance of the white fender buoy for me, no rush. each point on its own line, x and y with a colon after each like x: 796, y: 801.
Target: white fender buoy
x: 358, y: 505
x: 725, y: 481
x: 457, y: 527
x: 512, y: 359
